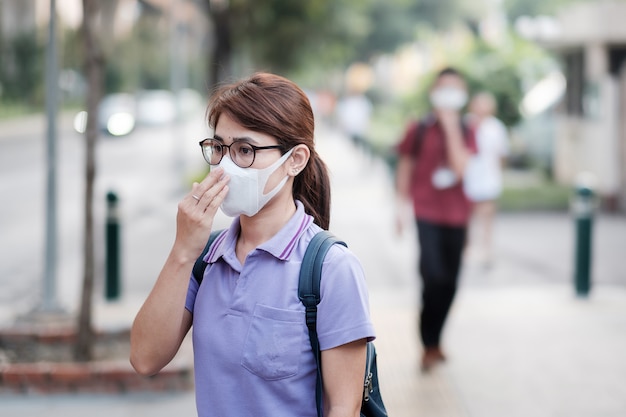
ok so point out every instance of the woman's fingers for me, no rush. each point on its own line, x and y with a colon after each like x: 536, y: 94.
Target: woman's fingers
x: 212, y: 178
x: 198, y: 189
x: 218, y: 199
x: 197, y: 210
x: 212, y: 196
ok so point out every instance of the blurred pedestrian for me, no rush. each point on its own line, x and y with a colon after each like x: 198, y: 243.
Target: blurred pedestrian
x: 353, y: 116
x: 483, y: 177
x: 251, y: 346
x: 432, y: 157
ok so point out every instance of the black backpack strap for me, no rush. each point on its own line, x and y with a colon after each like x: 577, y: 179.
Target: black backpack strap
x: 200, y: 265
x: 309, y: 294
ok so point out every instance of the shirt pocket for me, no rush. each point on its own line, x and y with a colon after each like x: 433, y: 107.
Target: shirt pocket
x: 273, y: 344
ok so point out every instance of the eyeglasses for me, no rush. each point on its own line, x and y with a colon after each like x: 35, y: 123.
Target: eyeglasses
x: 242, y: 153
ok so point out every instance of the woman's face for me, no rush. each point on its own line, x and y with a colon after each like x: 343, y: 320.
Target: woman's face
x: 228, y: 131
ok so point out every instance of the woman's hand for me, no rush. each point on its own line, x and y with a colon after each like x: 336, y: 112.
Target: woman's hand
x: 162, y: 322
x: 196, y: 212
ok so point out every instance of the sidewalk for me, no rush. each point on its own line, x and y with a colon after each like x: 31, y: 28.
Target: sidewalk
x: 519, y: 342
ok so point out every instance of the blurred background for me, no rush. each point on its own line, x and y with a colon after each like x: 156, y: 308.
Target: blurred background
x: 555, y: 67
x: 90, y: 212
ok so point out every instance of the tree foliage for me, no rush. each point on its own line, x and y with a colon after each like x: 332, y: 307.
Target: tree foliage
x: 517, y: 8
x: 285, y: 35
x: 21, y: 69
x: 505, y: 70
x: 278, y: 34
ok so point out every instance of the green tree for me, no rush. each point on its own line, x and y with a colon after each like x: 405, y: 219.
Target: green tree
x: 273, y: 34
x: 21, y: 69
x: 395, y: 22
x: 504, y: 70
x: 139, y: 60
x: 285, y: 35
x: 517, y: 8
x: 438, y: 14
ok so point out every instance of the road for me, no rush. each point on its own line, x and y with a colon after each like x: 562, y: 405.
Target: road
x: 145, y: 169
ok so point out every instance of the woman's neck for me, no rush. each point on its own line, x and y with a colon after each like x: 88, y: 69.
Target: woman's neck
x: 264, y: 225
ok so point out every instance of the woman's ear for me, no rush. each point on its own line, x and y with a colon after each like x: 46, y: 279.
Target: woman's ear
x: 298, y: 160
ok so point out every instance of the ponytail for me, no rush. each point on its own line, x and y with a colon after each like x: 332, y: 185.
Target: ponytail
x: 312, y: 188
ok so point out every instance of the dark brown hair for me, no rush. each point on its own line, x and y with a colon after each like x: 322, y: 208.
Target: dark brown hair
x: 276, y: 106
x: 450, y: 71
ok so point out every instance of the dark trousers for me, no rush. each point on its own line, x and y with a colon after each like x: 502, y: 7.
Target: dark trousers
x: 441, y: 250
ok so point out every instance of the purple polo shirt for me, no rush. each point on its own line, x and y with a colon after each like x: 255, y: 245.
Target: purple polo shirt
x: 251, y: 345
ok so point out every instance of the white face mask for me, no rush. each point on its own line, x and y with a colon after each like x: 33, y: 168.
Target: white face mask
x: 449, y: 98
x: 246, y: 186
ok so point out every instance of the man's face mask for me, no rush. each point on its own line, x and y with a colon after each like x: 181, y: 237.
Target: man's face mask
x: 448, y: 98
x: 246, y: 186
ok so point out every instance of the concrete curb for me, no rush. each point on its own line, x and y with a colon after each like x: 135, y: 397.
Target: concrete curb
x: 97, y: 377
x: 29, y: 374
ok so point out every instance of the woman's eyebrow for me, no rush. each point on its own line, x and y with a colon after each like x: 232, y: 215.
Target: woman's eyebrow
x: 238, y: 138
x: 245, y: 138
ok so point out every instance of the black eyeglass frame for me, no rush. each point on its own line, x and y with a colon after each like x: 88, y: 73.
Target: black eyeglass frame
x: 254, y: 149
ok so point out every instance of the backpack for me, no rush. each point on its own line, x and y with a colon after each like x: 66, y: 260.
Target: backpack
x: 198, y: 268
x: 309, y: 294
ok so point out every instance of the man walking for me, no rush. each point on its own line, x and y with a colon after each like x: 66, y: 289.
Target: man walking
x: 432, y: 158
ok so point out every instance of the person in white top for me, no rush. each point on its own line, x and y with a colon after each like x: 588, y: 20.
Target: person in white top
x: 483, y: 177
x: 353, y: 116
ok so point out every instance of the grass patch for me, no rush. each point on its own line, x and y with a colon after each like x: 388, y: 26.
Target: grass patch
x: 543, y: 196
x: 13, y: 110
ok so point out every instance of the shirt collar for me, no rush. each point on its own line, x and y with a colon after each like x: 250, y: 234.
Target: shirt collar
x: 281, y: 245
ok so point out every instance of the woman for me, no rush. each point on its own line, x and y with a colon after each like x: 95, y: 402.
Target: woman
x: 251, y: 348
x: 483, y: 178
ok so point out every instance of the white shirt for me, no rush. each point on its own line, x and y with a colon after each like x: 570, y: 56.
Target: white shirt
x: 354, y: 114
x: 483, y: 176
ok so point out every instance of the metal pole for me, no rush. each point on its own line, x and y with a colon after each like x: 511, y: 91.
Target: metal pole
x: 175, y: 44
x: 49, y: 299
x: 176, y: 75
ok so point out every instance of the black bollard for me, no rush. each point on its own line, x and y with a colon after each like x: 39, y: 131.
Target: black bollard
x: 583, y: 212
x: 112, y: 285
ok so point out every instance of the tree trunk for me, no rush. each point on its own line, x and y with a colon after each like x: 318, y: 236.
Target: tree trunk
x: 222, y: 47
x: 94, y: 70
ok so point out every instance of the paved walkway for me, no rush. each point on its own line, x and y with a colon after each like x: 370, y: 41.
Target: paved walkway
x: 519, y: 342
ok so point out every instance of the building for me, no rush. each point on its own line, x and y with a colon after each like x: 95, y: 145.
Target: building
x: 591, y: 123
